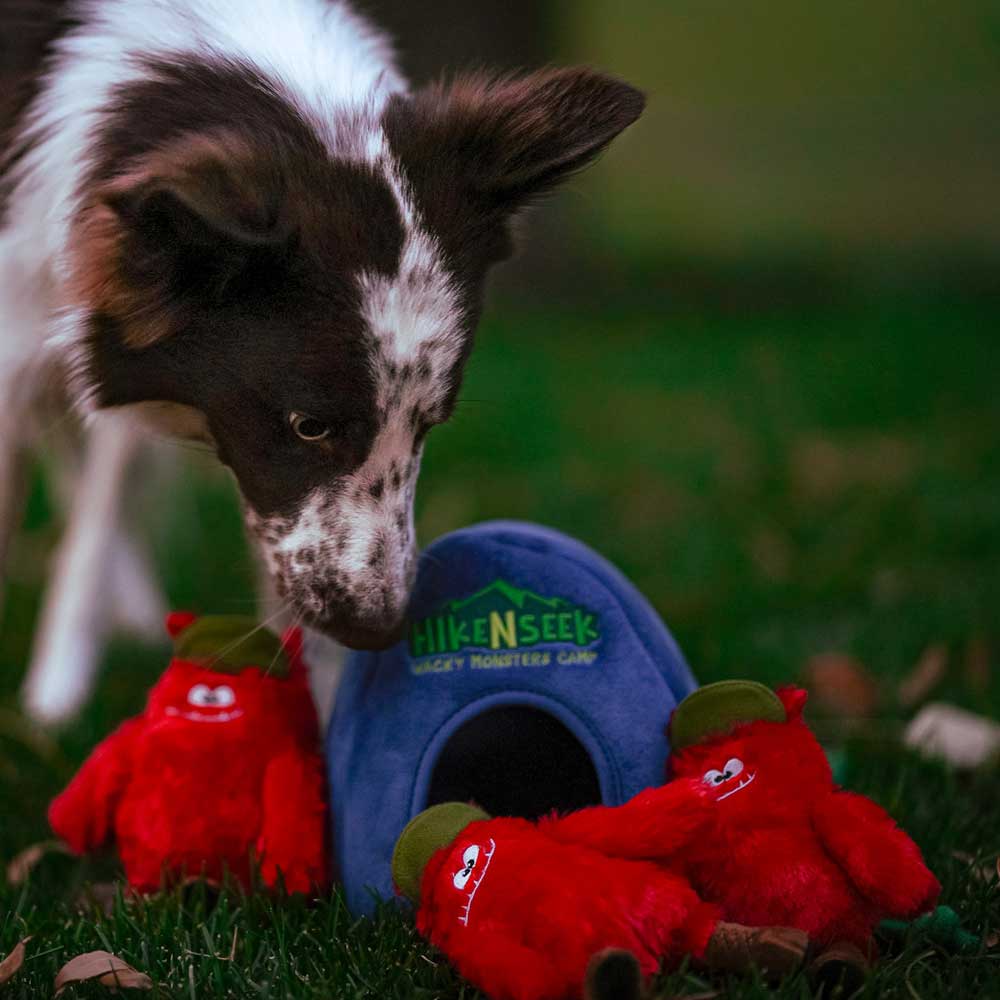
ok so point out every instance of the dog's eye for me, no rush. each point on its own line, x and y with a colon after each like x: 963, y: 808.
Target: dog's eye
x: 308, y: 428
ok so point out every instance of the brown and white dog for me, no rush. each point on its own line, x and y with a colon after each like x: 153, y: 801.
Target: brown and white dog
x: 232, y: 218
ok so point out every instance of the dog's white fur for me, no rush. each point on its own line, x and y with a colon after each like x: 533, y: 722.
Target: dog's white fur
x: 338, y: 73
x: 340, y: 544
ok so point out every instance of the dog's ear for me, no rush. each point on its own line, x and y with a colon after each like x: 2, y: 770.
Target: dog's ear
x: 186, y: 226
x: 509, y: 139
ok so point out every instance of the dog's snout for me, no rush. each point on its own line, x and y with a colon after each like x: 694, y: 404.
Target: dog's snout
x: 345, y: 564
x: 374, y: 624
x: 359, y: 636
x: 361, y: 604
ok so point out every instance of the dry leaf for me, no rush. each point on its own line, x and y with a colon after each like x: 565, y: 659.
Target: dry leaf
x: 977, y: 665
x: 960, y: 737
x: 821, y: 468
x: 19, y: 867
x: 841, y: 685
x: 109, y: 970
x: 772, y: 554
x: 925, y: 676
x: 991, y: 940
x: 10, y: 965
x: 983, y: 872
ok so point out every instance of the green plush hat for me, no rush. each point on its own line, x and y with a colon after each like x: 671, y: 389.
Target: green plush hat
x: 716, y: 708
x: 230, y: 643
x: 426, y: 833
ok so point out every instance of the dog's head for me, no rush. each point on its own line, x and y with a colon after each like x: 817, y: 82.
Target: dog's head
x: 304, y: 298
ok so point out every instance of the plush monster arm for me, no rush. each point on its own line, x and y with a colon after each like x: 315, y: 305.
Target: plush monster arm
x: 83, y: 813
x: 505, y: 968
x: 652, y: 825
x: 292, y: 839
x: 876, y: 855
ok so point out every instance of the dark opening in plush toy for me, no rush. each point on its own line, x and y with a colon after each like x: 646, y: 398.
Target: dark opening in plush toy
x: 515, y: 761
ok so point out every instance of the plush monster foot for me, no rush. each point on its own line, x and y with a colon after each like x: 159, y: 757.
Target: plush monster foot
x: 842, y: 964
x: 776, y: 951
x: 613, y: 974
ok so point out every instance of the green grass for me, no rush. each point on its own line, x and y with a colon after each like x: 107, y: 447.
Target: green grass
x: 778, y: 487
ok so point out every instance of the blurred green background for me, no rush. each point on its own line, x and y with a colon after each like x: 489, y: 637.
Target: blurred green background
x: 792, y: 150
x: 852, y: 146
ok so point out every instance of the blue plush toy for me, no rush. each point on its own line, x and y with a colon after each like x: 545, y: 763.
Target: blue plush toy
x: 534, y: 677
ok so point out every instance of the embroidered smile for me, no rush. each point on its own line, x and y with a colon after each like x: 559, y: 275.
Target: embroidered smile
x: 467, y: 909
x: 205, y: 716
x: 743, y: 784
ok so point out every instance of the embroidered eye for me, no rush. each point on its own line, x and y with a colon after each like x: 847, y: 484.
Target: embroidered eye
x: 733, y: 767
x: 211, y: 697
x: 469, y: 859
x: 308, y: 428
x: 713, y: 777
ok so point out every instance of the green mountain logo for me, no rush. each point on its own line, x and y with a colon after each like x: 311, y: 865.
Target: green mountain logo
x: 507, y: 591
x: 503, y: 616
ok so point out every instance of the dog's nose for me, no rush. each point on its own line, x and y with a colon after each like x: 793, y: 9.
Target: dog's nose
x: 374, y: 640
x: 363, y: 632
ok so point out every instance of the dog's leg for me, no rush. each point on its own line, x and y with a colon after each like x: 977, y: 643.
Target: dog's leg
x: 139, y: 605
x: 23, y: 375
x: 13, y: 479
x: 76, y: 612
x: 21, y: 380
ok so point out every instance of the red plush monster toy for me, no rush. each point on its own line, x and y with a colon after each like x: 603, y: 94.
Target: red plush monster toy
x: 219, y: 774
x: 522, y: 908
x: 787, y: 846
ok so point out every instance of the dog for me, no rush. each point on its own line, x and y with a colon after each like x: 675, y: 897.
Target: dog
x: 233, y: 220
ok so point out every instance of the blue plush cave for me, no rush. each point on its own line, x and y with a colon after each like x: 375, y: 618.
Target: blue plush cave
x: 534, y: 677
